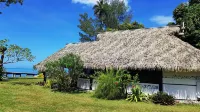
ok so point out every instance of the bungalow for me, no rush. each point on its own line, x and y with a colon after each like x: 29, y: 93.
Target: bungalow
x: 163, y: 61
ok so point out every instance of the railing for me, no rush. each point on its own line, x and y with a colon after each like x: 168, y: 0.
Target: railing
x: 19, y: 74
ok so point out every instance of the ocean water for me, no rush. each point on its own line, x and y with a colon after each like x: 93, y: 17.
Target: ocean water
x: 23, y: 70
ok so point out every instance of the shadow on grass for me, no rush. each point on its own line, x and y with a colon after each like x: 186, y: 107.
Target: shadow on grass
x: 76, y: 91
x: 22, y: 83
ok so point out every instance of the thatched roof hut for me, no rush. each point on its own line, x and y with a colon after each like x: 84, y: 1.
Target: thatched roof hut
x: 154, y: 48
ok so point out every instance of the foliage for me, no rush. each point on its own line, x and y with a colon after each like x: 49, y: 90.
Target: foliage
x: 115, y: 13
x: 65, y: 80
x: 8, y: 2
x: 163, y: 99
x: 89, y: 28
x: 112, y: 84
x: 179, y: 13
x: 124, y: 79
x: 14, y: 53
x: 190, y: 14
x: 130, y: 26
x: 40, y: 75
x: 136, y: 95
x: 192, y: 2
x: 11, y: 53
x: 49, y: 84
x: 171, y: 23
x: 100, y: 10
x: 108, y: 86
x: 110, y: 15
x: 74, y: 65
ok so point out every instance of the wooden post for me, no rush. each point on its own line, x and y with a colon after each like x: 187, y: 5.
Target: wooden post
x: 45, y: 77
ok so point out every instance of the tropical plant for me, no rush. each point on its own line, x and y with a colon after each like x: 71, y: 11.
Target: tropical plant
x: 101, y: 9
x: 108, y: 86
x: 162, y: 99
x: 124, y: 79
x: 136, y: 95
x: 110, y: 15
x: 112, y: 84
x: 65, y: 72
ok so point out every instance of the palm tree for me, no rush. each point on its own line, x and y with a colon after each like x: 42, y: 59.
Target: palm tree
x: 100, y: 10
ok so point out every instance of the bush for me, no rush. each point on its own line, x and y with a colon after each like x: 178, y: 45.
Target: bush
x: 65, y: 72
x: 40, y: 75
x: 48, y: 84
x: 137, y: 95
x: 163, y: 99
x: 109, y: 86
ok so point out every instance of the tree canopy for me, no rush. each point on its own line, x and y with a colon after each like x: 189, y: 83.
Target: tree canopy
x: 109, y: 15
x: 11, y: 53
x: 8, y: 2
x: 189, y: 13
x: 89, y: 27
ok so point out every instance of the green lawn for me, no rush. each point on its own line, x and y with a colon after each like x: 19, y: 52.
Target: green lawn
x: 21, y: 95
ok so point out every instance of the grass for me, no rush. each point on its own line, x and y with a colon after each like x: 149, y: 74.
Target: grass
x: 22, y: 95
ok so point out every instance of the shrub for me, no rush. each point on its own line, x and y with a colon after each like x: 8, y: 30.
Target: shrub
x: 48, y: 84
x: 65, y: 72
x: 136, y: 95
x: 163, y: 99
x: 40, y: 75
x: 109, y: 86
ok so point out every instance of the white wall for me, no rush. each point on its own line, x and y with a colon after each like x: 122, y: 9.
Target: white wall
x: 181, y: 91
x: 147, y: 88
x: 181, y: 85
x: 83, y: 83
x: 94, y: 84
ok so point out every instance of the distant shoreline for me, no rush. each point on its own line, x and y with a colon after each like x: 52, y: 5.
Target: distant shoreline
x: 29, y: 70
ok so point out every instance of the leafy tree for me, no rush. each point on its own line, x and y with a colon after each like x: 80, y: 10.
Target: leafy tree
x: 110, y: 15
x: 74, y: 64
x: 192, y: 2
x: 113, y: 13
x: 10, y: 53
x: 129, y: 26
x: 100, y: 10
x: 190, y: 15
x: 171, y: 23
x: 179, y: 13
x: 8, y: 2
x: 89, y: 28
x: 65, y: 72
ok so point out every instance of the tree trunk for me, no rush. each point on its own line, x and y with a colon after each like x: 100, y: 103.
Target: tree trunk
x: 1, y: 63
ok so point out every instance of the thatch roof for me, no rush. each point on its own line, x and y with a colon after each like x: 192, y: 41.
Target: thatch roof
x: 154, y: 48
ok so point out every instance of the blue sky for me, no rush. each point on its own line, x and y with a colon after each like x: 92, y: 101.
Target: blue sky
x: 45, y: 26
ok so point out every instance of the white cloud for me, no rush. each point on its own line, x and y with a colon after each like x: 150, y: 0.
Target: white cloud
x: 91, y: 2
x: 162, y: 20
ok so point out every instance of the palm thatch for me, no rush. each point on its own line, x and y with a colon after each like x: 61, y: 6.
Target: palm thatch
x: 154, y: 48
